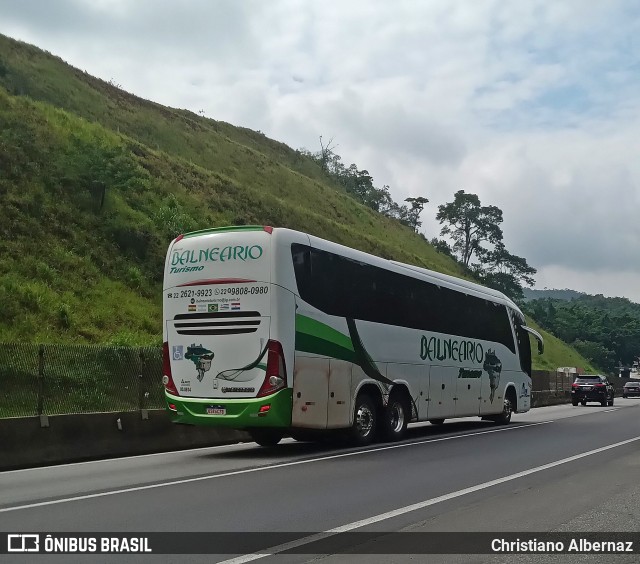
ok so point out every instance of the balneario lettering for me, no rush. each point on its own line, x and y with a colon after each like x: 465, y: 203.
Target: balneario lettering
x: 435, y: 348
x: 189, y: 258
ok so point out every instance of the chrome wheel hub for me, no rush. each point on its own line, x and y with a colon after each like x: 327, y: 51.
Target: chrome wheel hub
x: 396, y: 417
x: 364, y: 421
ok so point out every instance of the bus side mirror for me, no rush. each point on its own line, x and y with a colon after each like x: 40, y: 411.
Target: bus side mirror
x: 537, y: 336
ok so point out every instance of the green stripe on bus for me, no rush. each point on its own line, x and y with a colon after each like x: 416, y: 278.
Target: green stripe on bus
x: 223, y: 229
x: 318, y: 338
x: 319, y: 330
x: 316, y: 345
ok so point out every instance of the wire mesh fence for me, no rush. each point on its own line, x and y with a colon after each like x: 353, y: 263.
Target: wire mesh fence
x: 57, y: 379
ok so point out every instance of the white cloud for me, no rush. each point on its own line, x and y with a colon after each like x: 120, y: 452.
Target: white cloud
x: 532, y: 105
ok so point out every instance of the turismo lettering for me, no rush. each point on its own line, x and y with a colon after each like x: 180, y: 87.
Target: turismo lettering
x: 435, y: 348
x: 466, y: 373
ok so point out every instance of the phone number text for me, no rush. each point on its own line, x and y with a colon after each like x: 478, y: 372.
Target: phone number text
x: 210, y: 292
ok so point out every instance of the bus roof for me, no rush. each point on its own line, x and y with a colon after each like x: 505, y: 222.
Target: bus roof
x: 453, y: 282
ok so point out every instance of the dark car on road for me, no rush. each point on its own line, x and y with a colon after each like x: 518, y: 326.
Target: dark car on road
x: 591, y: 388
x: 631, y: 389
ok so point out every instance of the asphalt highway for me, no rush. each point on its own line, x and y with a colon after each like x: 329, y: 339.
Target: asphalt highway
x: 558, y: 468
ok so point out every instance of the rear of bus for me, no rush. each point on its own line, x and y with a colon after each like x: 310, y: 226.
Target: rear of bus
x: 223, y: 364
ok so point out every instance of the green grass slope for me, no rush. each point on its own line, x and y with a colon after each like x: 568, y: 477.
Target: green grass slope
x: 95, y: 182
x: 556, y: 352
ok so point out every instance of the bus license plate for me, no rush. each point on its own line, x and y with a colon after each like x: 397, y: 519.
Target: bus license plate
x: 216, y: 410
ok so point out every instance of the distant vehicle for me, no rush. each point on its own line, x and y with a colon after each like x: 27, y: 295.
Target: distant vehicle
x: 631, y: 389
x: 592, y: 388
x: 630, y: 372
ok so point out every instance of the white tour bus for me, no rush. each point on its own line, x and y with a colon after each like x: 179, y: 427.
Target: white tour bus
x: 279, y: 332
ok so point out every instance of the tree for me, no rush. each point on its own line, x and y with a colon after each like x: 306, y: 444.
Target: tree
x: 417, y: 205
x: 359, y: 185
x: 443, y: 247
x: 596, y: 353
x: 470, y: 225
x: 327, y: 154
x: 505, y: 272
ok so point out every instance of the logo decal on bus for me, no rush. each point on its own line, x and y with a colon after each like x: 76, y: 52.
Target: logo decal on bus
x: 201, y: 357
x: 493, y: 366
x: 189, y: 260
x: 436, y: 348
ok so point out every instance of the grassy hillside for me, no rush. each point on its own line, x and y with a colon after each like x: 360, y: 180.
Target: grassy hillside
x: 95, y: 182
x: 556, y: 352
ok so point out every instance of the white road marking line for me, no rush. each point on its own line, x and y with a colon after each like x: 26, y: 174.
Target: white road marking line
x: 259, y: 469
x: 421, y: 505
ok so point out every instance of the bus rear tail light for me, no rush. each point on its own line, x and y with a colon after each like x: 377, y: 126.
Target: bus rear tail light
x: 276, y: 377
x: 167, y: 380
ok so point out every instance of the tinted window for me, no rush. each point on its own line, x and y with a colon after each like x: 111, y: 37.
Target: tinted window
x: 522, y: 340
x: 589, y: 379
x: 345, y: 287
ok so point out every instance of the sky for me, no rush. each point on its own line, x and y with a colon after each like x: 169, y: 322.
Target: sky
x: 533, y: 105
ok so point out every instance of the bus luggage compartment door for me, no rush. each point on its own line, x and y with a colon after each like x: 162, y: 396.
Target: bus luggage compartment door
x: 310, y: 392
x: 339, y: 400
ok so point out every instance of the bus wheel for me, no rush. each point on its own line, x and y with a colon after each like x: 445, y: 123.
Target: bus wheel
x: 395, y: 418
x: 364, y: 420
x: 266, y: 437
x: 436, y: 421
x: 507, y: 409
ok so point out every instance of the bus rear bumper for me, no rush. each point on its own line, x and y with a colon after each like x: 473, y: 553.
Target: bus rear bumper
x: 238, y: 413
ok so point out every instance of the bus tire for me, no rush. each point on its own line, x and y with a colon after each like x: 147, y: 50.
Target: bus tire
x: 365, y: 420
x: 395, y: 417
x: 266, y: 437
x: 436, y: 421
x: 507, y: 408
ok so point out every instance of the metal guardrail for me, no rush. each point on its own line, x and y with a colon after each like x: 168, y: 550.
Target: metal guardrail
x: 58, y: 379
